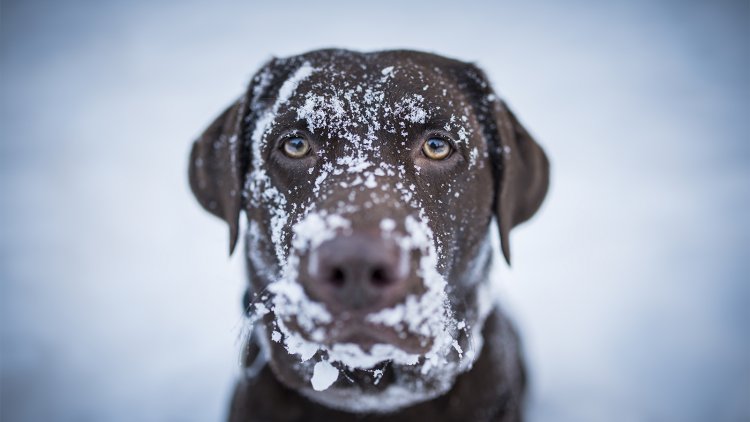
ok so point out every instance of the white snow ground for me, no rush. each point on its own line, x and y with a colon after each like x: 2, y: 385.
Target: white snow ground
x: 117, y: 301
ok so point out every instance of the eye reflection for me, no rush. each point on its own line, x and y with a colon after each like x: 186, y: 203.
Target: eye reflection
x: 436, y: 149
x: 296, y: 147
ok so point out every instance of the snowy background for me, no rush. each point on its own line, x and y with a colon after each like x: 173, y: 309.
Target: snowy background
x: 631, y: 287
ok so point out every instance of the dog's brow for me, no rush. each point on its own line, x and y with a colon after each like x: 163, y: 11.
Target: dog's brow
x: 440, y: 121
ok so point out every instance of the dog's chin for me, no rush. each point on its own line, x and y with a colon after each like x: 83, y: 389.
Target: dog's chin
x: 382, y: 388
x: 379, y: 386
x: 399, y: 386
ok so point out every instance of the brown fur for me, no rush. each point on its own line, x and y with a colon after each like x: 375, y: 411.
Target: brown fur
x: 508, y: 182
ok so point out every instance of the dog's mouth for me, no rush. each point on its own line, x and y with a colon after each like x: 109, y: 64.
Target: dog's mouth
x: 348, y: 330
x: 365, y: 356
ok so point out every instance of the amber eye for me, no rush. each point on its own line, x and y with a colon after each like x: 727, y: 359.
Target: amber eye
x: 296, y: 147
x: 436, y: 149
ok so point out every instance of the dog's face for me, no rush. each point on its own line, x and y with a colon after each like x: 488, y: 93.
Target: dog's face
x: 369, y: 182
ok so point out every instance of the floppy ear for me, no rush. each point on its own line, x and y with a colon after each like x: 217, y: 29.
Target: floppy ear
x: 519, y: 165
x: 221, y: 156
x: 522, y: 175
x: 217, y: 167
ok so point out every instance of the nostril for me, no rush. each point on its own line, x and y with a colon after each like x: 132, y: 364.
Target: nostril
x: 337, y: 277
x: 379, y: 277
x: 357, y: 272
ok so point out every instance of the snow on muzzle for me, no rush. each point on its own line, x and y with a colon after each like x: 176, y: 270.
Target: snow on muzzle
x: 357, y: 298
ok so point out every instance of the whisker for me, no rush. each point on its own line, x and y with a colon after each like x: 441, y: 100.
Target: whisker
x: 246, y: 322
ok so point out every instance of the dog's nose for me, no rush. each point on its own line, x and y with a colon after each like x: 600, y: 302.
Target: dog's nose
x: 358, y: 272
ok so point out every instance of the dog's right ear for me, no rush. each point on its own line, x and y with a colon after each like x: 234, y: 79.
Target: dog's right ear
x: 217, y: 167
x: 221, y: 156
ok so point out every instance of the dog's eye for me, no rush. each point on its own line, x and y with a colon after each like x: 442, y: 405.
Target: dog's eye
x: 436, y: 149
x: 296, y: 147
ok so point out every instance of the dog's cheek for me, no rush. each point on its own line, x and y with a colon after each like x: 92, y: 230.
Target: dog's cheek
x: 460, y: 218
x: 268, y: 237
x: 472, y: 211
x: 261, y: 261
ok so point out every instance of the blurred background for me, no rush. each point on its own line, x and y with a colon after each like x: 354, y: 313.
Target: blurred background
x: 631, y: 287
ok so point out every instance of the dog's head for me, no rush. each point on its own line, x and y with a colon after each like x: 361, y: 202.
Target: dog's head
x: 369, y: 182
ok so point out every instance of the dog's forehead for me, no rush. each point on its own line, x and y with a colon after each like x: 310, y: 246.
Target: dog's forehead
x: 390, y: 74
x: 366, y: 118
x: 365, y: 103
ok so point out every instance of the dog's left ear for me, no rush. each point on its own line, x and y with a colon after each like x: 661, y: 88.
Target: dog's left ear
x: 217, y: 167
x: 520, y: 166
x: 524, y: 174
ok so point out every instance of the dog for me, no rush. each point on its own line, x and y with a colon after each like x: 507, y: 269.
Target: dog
x: 369, y: 182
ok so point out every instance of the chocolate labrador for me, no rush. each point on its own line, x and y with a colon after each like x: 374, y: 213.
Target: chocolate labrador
x: 369, y: 182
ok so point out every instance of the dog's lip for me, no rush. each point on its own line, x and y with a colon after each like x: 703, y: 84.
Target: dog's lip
x: 348, y: 329
x: 366, y: 335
